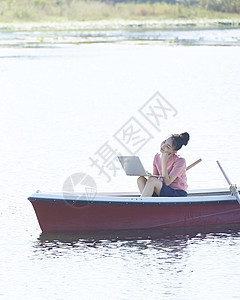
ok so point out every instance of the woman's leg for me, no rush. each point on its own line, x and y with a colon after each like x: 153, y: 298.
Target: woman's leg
x: 153, y: 184
x: 141, y: 181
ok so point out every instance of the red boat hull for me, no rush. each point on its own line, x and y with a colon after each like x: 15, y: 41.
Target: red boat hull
x: 63, y: 216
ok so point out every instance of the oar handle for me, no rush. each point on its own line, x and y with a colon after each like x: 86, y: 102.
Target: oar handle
x: 233, y: 188
x: 194, y: 164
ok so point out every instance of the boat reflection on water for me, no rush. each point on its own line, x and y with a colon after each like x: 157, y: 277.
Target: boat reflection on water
x: 162, y: 234
x: 159, y: 246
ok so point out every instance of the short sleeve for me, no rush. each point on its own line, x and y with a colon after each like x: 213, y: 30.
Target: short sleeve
x: 179, y: 167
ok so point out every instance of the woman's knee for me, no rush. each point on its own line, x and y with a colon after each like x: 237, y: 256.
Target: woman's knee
x: 141, y: 179
x: 153, y: 179
x: 155, y: 182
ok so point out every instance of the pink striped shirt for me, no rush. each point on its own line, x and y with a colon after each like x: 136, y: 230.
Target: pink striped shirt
x: 175, y: 166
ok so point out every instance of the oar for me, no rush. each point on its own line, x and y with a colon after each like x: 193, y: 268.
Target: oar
x: 194, y: 164
x: 233, y: 187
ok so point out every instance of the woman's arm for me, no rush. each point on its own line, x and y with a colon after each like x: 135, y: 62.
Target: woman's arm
x: 166, y: 178
x: 155, y: 171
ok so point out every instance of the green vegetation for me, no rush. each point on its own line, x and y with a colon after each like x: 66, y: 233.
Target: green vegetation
x: 87, y: 10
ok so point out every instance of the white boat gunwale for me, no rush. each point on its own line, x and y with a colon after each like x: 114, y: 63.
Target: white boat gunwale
x: 217, y: 197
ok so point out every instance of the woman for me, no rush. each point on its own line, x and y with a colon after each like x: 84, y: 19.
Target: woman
x: 171, y: 168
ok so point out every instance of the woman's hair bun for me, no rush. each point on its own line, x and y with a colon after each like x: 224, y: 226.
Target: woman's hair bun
x: 185, y: 138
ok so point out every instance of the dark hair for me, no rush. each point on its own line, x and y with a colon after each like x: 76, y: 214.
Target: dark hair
x: 178, y: 140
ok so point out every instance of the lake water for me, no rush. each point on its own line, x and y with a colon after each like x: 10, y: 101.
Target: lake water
x: 59, y: 107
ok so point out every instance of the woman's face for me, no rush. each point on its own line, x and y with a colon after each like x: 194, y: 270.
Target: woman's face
x: 167, y: 146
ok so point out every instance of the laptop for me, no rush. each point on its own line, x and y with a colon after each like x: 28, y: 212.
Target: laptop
x: 133, y: 166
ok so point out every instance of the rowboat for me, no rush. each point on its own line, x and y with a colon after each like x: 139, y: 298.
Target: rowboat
x: 120, y: 211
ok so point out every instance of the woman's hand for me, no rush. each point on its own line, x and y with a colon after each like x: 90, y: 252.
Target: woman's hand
x: 148, y: 173
x: 153, y: 175
x: 165, y: 156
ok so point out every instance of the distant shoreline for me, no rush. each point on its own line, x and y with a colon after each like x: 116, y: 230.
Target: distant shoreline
x: 121, y: 25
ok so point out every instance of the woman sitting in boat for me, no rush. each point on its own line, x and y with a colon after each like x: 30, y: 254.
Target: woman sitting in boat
x: 172, y: 180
